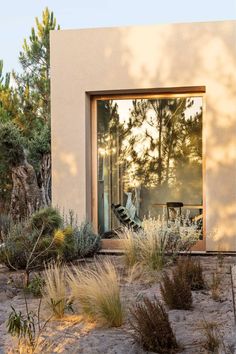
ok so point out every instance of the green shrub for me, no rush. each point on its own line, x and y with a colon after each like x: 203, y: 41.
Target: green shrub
x: 87, y: 242
x: 65, y: 241
x: 192, y: 271
x: 48, y: 218
x: 19, y: 243
x: 152, y: 329
x: 28, y: 327
x: 175, y: 291
x: 21, y: 326
x: 29, y: 243
x: 5, y: 222
x: 76, y: 242
x: 36, y: 285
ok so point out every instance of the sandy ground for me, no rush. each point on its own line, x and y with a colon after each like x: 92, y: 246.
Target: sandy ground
x: 72, y: 335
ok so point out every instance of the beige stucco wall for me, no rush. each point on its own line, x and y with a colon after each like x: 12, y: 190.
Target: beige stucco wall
x: 128, y: 58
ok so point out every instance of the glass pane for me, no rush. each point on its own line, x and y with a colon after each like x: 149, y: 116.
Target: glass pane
x: 149, y: 153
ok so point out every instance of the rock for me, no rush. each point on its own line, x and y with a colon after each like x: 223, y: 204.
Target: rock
x: 12, y: 292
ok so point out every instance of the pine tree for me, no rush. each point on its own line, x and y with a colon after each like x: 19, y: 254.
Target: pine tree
x: 34, y: 92
x: 25, y: 114
x: 34, y: 82
x: 8, y: 112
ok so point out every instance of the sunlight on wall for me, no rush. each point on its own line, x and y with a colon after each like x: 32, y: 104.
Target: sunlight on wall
x: 70, y: 161
x: 162, y: 56
x: 143, y: 53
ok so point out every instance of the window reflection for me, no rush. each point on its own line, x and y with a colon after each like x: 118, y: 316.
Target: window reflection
x: 149, y: 153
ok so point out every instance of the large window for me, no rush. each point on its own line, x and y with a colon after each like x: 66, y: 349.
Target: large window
x: 149, y: 152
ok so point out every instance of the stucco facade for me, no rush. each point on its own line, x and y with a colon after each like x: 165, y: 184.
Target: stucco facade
x: 143, y: 59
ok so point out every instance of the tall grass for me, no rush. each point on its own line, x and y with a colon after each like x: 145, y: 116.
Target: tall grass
x: 147, y: 246
x: 97, y: 291
x: 152, y: 248
x: 151, y: 245
x: 215, y: 286
x: 130, y: 245
x: 54, y: 291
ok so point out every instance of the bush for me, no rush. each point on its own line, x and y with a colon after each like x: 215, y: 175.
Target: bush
x: 76, y: 242
x: 29, y: 243
x: 36, y: 285
x: 5, y: 223
x: 19, y: 243
x: 48, y: 218
x: 65, y: 241
x: 98, y: 293
x: 16, y: 246
x: 87, y: 242
x: 191, y: 270
x: 152, y: 329
x: 176, y: 292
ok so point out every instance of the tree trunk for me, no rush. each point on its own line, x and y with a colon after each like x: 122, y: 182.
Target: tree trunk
x: 26, y: 197
x: 45, y: 179
x: 160, y: 147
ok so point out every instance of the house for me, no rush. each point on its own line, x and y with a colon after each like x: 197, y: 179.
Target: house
x: 146, y: 115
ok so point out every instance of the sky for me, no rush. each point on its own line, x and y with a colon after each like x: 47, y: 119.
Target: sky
x: 18, y: 16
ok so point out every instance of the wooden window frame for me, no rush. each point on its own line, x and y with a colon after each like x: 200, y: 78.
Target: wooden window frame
x: 195, y: 91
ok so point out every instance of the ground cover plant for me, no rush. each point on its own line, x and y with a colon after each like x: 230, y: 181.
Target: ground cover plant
x: 36, y: 285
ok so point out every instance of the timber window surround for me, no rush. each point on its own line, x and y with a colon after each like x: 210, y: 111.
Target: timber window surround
x: 147, y: 151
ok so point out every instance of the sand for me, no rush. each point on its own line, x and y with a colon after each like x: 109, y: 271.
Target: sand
x: 74, y: 335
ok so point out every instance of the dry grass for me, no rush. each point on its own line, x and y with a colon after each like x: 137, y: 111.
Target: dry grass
x: 130, y: 245
x: 215, y: 286
x: 152, y: 250
x: 192, y: 271
x: 98, y: 292
x: 153, y: 242
x: 139, y: 272
x: 212, y: 340
x: 152, y: 329
x: 147, y: 246
x: 176, y: 292
x: 23, y: 347
x: 54, y: 291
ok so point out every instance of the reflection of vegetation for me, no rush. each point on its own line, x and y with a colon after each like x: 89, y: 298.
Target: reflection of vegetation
x: 153, y: 148
x: 159, y: 139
